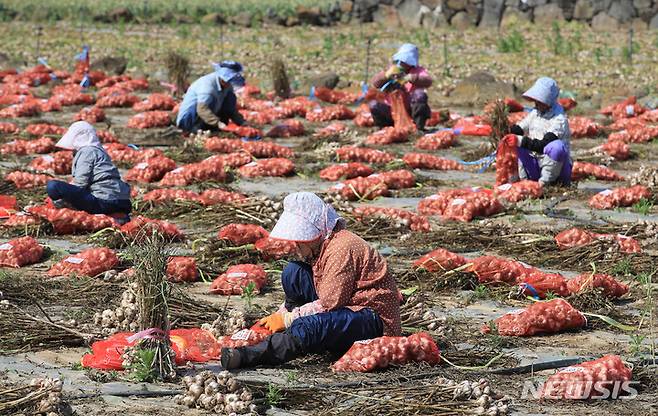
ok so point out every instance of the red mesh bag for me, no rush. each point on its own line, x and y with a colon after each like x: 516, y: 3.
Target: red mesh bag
x: 267, y: 167
x: 492, y: 269
x: 334, y: 112
x: 141, y: 226
x: 363, y: 116
x: 233, y: 281
x: 193, y: 345
x: 106, y: 354
x: 20, y: 219
x: 641, y: 134
x: 573, y: 237
x: 117, y: 100
x: 267, y: 150
x: 627, y: 244
x: 259, y: 117
x: 245, y: 337
x: 44, y: 128
x: 149, y: 119
x: 538, y: 283
x: 333, y: 129
x: 90, y: 115
x: 211, y: 169
x: 8, y: 128
x: 155, y: 101
x: 109, y: 81
x: 617, y: 149
x: 59, y: 163
x: 548, y: 317
x: 611, y: 287
x: 90, y: 262
x: 473, y: 126
x: 428, y: 161
x: 567, y: 103
x: 241, y: 234
x: 26, y: 180
x: 12, y: 99
x: 583, y: 127
x: 414, y: 221
x: 222, y: 145
x: 243, y: 131
x: 361, y: 188
x: 627, y: 123
x: 219, y: 196
x: 583, y: 170
x: 439, y: 260
x: 20, y: 252
x: 396, y: 179
x: 26, y: 109
x: 345, y: 171
x: 437, y: 117
x: 650, y: 116
x: 166, y: 195
x: 120, y: 152
x: 627, y: 108
x: 518, y: 191
x: 24, y: 147
x: 363, y: 154
x: 590, y: 379
x: 401, y: 118
x: 369, y: 355
x: 151, y: 170
x: 69, y: 221
x: 335, y: 96
x: 620, y: 197
x: 235, y: 160
x: 437, y: 204
x: 182, y: 269
x: 71, y: 98
x: 270, y: 248
x: 506, y: 160
x: 435, y: 141
x: 255, y: 104
x: 50, y: 105
x: 478, y: 204
x: 288, y: 128
x: 296, y: 106
x: 388, y: 135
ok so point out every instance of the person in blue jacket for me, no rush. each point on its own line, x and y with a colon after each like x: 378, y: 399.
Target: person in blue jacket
x: 210, y: 102
x: 97, y: 187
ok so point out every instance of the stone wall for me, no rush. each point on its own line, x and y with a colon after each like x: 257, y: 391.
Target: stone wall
x: 462, y: 14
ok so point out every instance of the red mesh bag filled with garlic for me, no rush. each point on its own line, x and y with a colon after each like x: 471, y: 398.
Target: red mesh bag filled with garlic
x: 289, y: 128
x: 241, y: 234
x: 267, y: 150
x: 8, y: 128
x: 507, y: 166
x: 20, y: 252
x: 611, y: 287
x: 428, y: 161
x: 182, y: 269
x: 345, y: 171
x: 90, y: 115
x: 156, y: 101
x: 335, y: 96
x: 396, y: 179
x: 69, y: 221
x: 363, y: 154
x: 587, y: 380
x: 549, y: 317
x: 159, y: 196
x: 236, y: 278
x: 220, y: 196
x: 245, y: 337
x: 59, y: 163
x: 361, y: 188
x: 583, y: 127
x: 222, y: 145
x: 435, y: 141
x: 518, y: 191
x: 369, y: 355
x: 538, y: 283
x: 620, y: 197
x: 477, y: 204
x: 41, y: 129
x: 492, y: 269
x: 90, y: 262
x: 149, y: 119
x: 267, y: 167
x: 151, y: 170
x: 270, y: 248
x: 332, y: 130
x: 388, y: 135
x: 616, y: 149
x: 334, y: 112
x: 363, y: 116
x: 25, y: 147
x: 582, y: 170
x: 439, y: 260
x: 140, y: 227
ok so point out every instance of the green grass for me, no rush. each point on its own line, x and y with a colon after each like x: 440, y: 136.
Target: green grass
x: 623, y: 268
x: 273, y: 396
x: 142, y: 367
x: 643, y: 206
x: 513, y: 43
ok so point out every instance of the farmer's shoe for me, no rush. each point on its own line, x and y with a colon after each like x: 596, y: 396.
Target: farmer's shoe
x: 231, y: 358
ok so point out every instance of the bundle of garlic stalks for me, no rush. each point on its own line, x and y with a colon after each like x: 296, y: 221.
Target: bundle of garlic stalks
x: 41, y: 396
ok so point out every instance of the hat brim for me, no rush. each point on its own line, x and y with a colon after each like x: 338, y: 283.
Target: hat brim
x: 291, y: 227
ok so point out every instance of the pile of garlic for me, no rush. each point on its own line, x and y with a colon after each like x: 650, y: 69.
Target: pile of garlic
x: 220, y: 393
x: 647, y: 176
x: 122, y: 318
x: 480, y: 392
x: 49, y: 405
x: 268, y: 209
x: 226, y: 325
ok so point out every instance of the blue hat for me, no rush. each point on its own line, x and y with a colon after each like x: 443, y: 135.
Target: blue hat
x: 237, y: 80
x: 408, y: 53
x: 230, y: 76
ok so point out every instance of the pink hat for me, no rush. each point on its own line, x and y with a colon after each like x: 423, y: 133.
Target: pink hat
x: 305, y: 217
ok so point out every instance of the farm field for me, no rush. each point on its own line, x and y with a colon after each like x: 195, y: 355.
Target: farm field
x: 47, y: 323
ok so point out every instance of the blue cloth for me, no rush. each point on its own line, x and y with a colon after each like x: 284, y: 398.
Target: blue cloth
x: 333, y: 331
x: 205, y: 90
x: 82, y: 199
x: 408, y: 53
x: 546, y: 91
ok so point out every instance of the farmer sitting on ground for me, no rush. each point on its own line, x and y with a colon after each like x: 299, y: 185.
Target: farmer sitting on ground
x: 412, y: 79
x: 340, y: 292
x: 210, y: 101
x: 97, y: 187
x: 544, y: 134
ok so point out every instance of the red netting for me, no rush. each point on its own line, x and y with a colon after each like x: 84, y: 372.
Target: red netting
x: 151, y: 170
x: 245, y: 337
x: 141, y: 226
x: 620, y: 197
x: 334, y: 112
x: 44, y: 128
x: 363, y: 116
x: 363, y: 154
x: 241, y: 234
x: 611, y: 287
x: 617, y: 149
x: 332, y: 130
x: 439, y: 260
x: 567, y: 103
x: 59, y: 163
x: 182, y: 269
x: 396, y: 179
x: 288, y: 128
x: 122, y: 99
x: 90, y: 262
x: 507, y: 167
x: 518, y: 191
x: 369, y: 355
x: 435, y: 141
x: 156, y: 101
x: 69, y: 221
x: 25, y: 147
x: 549, y: 317
x: 492, y: 269
x: 20, y: 252
x: 8, y: 128
x: 270, y: 248
x: 361, y: 188
x: 267, y: 150
x: 222, y: 145
x: 583, y: 170
x: 149, y: 119
x: 388, y: 135
x: 166, y: 195
x: 345, y: 171
x: 211, y: 169
x: 335, y: 96
x: 428, y: 161
x: 650, y: 116
x: 401, y: 118
x: 90, y: 115
x: 236, y: 278
x: 267, y: 167
x: 539, y: 283
x: 583, y: 127
x: 219, y: 196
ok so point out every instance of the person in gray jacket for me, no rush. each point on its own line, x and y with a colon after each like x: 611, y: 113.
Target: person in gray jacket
x: 97, y: 187
x: 543, y: 137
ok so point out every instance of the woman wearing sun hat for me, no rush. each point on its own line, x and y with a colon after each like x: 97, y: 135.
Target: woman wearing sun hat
x: 340, y: 292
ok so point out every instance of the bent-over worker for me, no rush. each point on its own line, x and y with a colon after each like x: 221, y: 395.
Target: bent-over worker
x: 97, y: 187
x: 543, y: 137
x: 340, y: 293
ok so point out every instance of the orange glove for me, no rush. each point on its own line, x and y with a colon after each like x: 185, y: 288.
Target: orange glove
x: 274, y: 322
